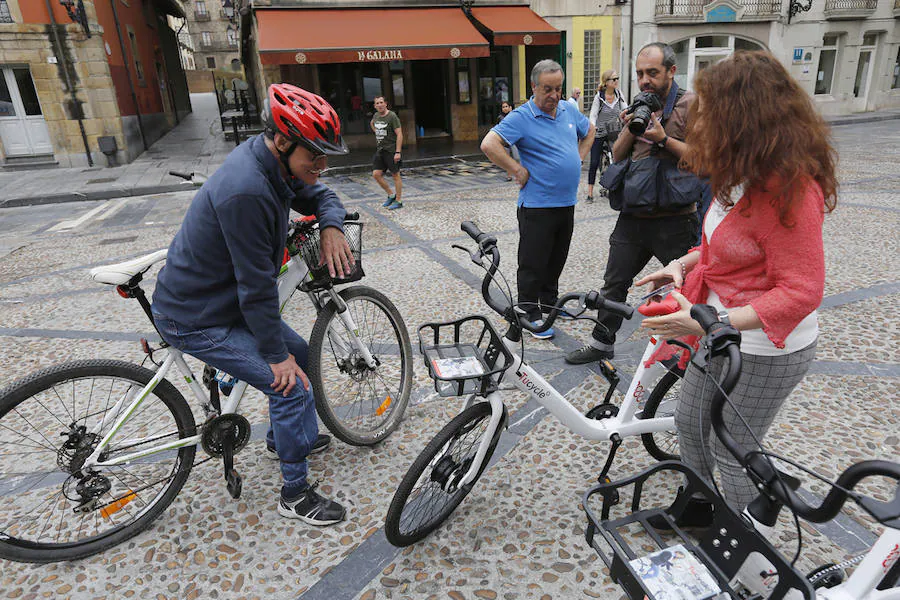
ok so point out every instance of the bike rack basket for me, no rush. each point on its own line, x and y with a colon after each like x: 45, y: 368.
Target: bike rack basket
x: 308, y: 245
x: 723, y: 547
x: 464, y: 357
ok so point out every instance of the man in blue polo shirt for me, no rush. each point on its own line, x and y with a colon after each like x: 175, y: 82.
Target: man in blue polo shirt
x: 553, y: 138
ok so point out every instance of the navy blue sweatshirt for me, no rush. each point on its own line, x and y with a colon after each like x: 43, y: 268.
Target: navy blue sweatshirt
x: 222, y: 266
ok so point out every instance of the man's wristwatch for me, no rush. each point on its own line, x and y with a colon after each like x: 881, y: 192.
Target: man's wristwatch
x: 662, y: 143
x: 723, y: 317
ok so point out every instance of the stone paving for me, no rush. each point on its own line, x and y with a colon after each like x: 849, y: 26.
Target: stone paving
x: 519, y: 534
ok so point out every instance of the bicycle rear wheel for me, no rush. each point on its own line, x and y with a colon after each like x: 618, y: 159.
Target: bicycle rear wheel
x: 428, y: 493
x: 663, y: 445
x: 361, y: 405
x: 50, y: 422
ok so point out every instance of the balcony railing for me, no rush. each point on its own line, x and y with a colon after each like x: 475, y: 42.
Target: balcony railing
x: 849, y: 9
x: 201, y: 16
x: 693, y: 9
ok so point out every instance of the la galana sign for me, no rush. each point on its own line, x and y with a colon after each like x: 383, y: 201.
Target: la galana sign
x: 376, y: 55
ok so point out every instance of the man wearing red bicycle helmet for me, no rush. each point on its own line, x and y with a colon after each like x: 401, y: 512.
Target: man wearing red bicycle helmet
x: 217, y: 298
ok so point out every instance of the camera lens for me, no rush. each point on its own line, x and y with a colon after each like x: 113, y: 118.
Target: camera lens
x: 640, y: 121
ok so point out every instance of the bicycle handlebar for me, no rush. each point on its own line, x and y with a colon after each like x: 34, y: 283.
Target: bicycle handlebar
x: 487, y: 244
x: 723, y: 340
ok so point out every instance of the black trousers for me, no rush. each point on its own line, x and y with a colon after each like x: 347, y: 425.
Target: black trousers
x: 633, y: 242
x: 544, y: 237
x: 596, y: 153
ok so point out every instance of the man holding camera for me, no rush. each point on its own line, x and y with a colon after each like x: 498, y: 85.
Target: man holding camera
x: 655, y: 219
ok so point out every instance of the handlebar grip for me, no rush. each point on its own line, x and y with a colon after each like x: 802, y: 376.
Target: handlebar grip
x: 186, y: 176
x: 472, y: 229
x: 594, y: 301
x: 354, y: 216
x: 706, y: 315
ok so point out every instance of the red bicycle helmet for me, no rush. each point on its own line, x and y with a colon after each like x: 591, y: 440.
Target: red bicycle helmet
x: 304, y: 118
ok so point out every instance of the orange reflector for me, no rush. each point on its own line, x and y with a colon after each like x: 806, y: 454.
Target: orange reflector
x: 122, y: 291
x: 107, y: 511
x: 384, y: 406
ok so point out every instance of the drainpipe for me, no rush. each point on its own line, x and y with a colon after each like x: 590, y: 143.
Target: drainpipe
x: 137, y: 108
x: 76, y: 106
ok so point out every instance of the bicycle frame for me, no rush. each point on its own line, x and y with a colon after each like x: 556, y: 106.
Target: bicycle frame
x: 861, y: 584
x: 626, y: 423
x: 292, y: 274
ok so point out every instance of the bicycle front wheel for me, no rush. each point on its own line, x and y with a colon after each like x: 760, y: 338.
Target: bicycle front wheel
x: 429, y: 492
x: 359, y: 404
x: 663, y: 445
x: 50, y: 423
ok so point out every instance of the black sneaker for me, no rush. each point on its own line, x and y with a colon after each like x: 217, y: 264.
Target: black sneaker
x: 312, y: 508
x: 322, y: 443
x: 698, y: 513
x: 587, y: 354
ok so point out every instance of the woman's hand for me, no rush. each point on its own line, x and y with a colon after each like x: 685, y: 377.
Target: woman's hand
x: 677, y: 324
x: 672, y: 272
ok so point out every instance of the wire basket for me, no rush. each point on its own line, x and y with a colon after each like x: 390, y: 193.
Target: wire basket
x: 464, y: 357
x: 721, y: 550
x: 309, y: 246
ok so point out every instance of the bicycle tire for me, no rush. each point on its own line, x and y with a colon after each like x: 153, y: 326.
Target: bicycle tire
x: 23, y: 411
x: 383, y: 392
x: 662, y: 445
x: 442, y: 444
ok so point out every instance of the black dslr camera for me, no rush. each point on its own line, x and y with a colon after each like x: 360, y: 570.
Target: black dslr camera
x: 643, y: 105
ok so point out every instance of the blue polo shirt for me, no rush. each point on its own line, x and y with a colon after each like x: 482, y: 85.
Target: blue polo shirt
x: 549, y: 150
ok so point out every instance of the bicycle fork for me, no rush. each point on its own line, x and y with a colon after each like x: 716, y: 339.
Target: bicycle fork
x: 353, y: 333
x: 493, y: 430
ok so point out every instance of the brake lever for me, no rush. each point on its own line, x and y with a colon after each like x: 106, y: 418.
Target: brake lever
x: 475, y: 257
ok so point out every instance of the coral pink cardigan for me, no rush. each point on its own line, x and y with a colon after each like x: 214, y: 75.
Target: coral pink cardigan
x: 754, y: 259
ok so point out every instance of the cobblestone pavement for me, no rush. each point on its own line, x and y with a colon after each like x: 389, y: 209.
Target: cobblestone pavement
x: 519, y: 534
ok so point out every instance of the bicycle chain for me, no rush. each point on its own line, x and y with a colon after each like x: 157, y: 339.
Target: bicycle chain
x: 837, y: 567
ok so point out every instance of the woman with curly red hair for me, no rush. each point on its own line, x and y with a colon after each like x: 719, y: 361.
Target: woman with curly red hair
x: 767, y: 153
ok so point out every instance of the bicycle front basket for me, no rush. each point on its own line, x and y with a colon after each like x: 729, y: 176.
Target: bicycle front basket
x: 465, y: 356
x: 310, y: 250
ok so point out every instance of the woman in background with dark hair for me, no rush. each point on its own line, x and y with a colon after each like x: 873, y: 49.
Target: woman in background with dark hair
x: 607, y: 104
x: 761, y: 260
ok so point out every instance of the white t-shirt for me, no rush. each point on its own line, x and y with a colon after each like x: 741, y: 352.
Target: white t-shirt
x: 755, y: 341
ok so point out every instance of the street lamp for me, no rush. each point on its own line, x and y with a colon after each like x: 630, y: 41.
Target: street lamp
x: 228, y: 9
x: 798, y: 6
x: 77, y: 14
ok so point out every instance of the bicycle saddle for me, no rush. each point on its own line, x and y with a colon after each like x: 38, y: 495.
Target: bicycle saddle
x: 657, y: 308
x: 121, y: 273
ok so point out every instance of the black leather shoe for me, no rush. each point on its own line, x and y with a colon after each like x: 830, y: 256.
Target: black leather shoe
x: 698, y: 513
x: 588, y: 354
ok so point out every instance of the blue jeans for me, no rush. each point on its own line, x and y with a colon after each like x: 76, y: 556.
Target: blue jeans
x: 293, y: 428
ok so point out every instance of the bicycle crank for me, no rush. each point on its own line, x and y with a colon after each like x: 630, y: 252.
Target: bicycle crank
x: 224, y: 436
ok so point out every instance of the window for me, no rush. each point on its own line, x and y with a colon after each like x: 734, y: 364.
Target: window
x: 135, y: 53
x: 206, y: 39
x: 896, y: 83
x: 231, y: 34
x: 827, y: 58
x: 200, y: 7
x: 210, y: 62
x: 235, y: 64
x: 7, y: 108
x: 5, y: 16
x: 742, y: 44
x: 591, y: 65
x: 712, y: 41
x: 26, y: 91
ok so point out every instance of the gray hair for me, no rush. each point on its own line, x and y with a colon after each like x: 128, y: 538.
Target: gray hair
x: 544, y: 66
x: 667, y: 51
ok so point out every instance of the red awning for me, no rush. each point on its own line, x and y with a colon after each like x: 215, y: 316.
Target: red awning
x: 516, y: 26
x: 288, y: 36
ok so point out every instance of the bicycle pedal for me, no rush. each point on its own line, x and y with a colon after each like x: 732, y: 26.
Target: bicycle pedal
x: 234, y: 483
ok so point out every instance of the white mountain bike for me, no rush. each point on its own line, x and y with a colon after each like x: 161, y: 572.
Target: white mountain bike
x: 92, y: 451
x: 732, y: 557
x: 468, y: 356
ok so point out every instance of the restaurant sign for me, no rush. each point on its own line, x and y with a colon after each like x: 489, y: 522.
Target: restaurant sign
x: 379, y: 55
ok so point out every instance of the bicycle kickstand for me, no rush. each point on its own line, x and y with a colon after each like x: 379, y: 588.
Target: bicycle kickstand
x: 616, y: 441
x: 233, y: 481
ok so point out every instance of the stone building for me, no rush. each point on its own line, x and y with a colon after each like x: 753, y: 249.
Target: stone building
x: 845, y: 53
x: 213, y: 26
x: 444, y: 67
x: 75, y: 74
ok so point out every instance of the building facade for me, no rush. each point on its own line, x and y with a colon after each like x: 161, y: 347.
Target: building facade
x: 75, y: 82
x: 845, y: 53
x: 443, y: 68
x: 213, y: 26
